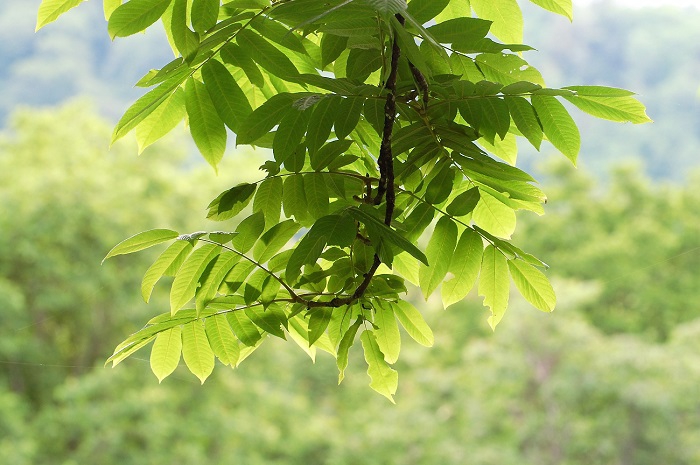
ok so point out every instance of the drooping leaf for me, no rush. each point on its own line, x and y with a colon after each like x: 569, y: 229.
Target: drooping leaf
x: 165, y: 354
x: 425, y: 10
x: 558, y: 126
x: 321, y: 122
x: 533, y: 285
x: 228, y: 98
x: 439, y: 252
x: 493, y: 284
x: 318, y: 322
x: 229, y: 203
x: 464, y: 203
x: 387, y: 331
x: 207, y: 129
x: 249, y: 230
x: 222, y: 340
x: 196, y: 350
x: 268, y: 200
x: 244, y: 329
x: 204, y: 14
x: 269, y: 57
x: 264, y: 118
x: 215, y: 277
x: 141, y: 241
x: 464, y: 266
x: 494, y: 216
x: 187, y: 278
x: 525, y: 119
x: 384, y: 379
x: 345, y: 343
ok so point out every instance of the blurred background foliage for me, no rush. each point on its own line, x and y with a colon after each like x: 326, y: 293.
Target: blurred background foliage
x: 610, y: 378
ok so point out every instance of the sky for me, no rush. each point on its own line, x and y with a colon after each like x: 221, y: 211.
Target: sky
x: 645, y: 3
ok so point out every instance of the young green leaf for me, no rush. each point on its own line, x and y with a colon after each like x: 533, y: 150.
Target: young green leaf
x: 558, y: 126
x: 244, y: 329
x: 387, y: 331
x: 561, y: 7
x: 187, y: 278
x: 274, y: 239
x: 207, y: 129
x: 229, y: 100
x: 318, y: 322
x: 222, y: 340
x: 464, y: 203
x: 439, y: 252
x: 204, y: 14
x: 162, y: 120
x: 533, y: 285
x: 264, y: 118
x: 268, y: 200
x: 619, y: 109
x: 425, y: 10
x: 269, y: 57
x: 196, y: 350
x: 215, y: 277
x: 321, y: 122
x: 140, y: 241
x: 464, y: 266
x: 525, y: 119
x: 229, y: 203
x: 165, y: 354
x: 493, y: 284
x: 384, y: 379
x: 414, y: 324
x: 172, y: 258
x: 494, y: 216
x: 249, y: 231
x: 506, y: 16
x: 345, y: 343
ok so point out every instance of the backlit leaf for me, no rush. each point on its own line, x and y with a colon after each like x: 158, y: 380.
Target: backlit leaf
x: 50, y: 10
x: 384, y: 379
x: 464, y: 266
x: 439, y: 252
x: 187, y: 278
x: 387, y: 332
x: 533, y: 285
x: 165, y: 354
x: 558, y: 126
x: 171, y: 258
x: 207, y: 129
x: 493, y: 284
x: 196, y: 350
x: 222, y: 340
x: 140, y: 241
x: 135, y: 16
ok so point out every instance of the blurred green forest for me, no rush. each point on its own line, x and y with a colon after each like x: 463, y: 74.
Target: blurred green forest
x: 610, y: 378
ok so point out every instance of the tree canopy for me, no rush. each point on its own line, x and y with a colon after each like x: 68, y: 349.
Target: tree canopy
x: 393, y: 129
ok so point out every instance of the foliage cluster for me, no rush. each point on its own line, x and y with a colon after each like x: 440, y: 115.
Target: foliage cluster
x: 382, y: 116
x: 540, y: 391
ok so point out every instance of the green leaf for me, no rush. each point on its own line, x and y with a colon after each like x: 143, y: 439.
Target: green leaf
x: 215, y: 277
x: 185, y: 40
x: 321, y: 122
x: 533, y: 285
x: 294, y: 198
x: 265, y: 320
x: 109, y: 6
x: 318, y: 322
x: 274, y: 239
x: 146, y: 105
x: 388, y: 7
x: 525, y: 119
x: 464, y: 203
x: 494, y: 216
x: 222, y: 340
x: 196, y: 350
x: 507, y: 69
x: 207, y: 129
x: 317, y: 197
x: 439, y: 252
x: 425, y: 10
x: 187, y: 278
x: 140, y: 241
x: 50, y: 10
x: 464, y: 266
x: 331, y: 48
x: 228, y: 98
x: 268, y: 200
x: 328, y: 230
x: 249, y: 230
x: 231, y: 202
x: 494, y: 283
x: 329, y: 152
x: 348, y: 115
x: 269, y: 57
x: 460, y: 30
x: 345, y: 343
x: 171, y: 258
x: 558, y: 126
x: 245, y: 330
x: 440, y: 187
x: 414, y: 324
x: 204, y: 14
x: 387, y: 331
x: 289, y: 134
x: 506, y: 16
x: 561, y: 7
x: 135, y: 16
x: 387, y: 233
x: 619, y: 109
x: 162, y: 120
x: 264, y: 118
x: 384, y: 379
x: 165, y: 354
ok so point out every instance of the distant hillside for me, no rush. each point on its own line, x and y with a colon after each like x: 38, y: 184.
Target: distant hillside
x: 655, y: 52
